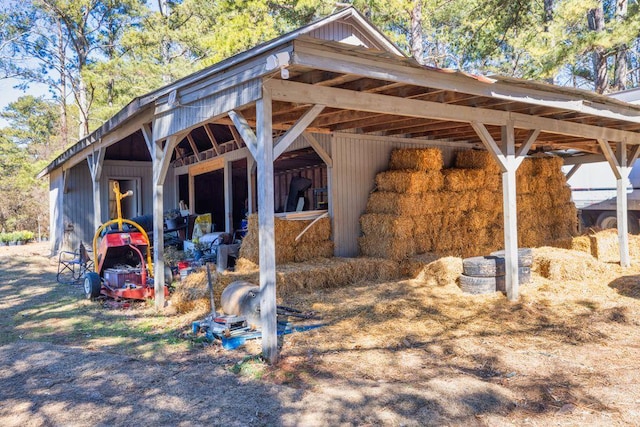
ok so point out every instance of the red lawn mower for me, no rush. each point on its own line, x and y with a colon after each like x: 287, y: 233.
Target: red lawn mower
x: 123, y: 267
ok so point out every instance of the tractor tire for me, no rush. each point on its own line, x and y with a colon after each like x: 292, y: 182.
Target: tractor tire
x: 525, y: 256
x: 524, y: 277
x: 610, y: 220
x: 480, y: 285
x: 92, y: 285
x: 483, y: 266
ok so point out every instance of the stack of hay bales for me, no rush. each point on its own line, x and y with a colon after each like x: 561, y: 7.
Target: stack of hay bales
x: 403, y: 216
x: 421, y: 208
x: 315, y: 242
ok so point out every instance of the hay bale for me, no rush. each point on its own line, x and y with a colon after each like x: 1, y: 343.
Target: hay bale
x: 605, y: 246
x: 409, y: 181
x: 562, y: 264
x: 487, y: 200
x: 391, y: 226
x: 418, y: 159
x: 394, y: 249
x: 431, y: 269
x: 286, y: 232
x: 476, y: 159
x: 310, y: 250
x: 464, y: 179
x: 385, y: 202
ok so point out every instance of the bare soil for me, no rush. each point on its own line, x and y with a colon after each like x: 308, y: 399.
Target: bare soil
x: 413, y: 352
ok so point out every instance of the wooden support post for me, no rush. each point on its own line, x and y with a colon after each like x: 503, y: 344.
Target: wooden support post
x: 228, y: 197
x: 510, y: 213
x: 251, y: 187
x: 621, y: 170
x: 266, y: 227
x: 161, y: 158
x: 506, y: 157
x: 96, y: 160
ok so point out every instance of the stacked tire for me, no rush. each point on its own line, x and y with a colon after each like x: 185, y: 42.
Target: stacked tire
x: 486, y: 274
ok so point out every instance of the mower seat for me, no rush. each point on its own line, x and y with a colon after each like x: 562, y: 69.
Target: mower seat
x: 72, y: 266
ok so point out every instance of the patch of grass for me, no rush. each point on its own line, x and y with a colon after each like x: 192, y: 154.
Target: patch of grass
x: 252, y: 367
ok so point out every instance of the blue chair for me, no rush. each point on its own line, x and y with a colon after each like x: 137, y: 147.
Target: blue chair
x: 72, y: 266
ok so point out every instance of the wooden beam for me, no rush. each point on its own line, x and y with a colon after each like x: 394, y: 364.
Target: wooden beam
x: 490, y: 145
x: 323, y: 58
x: 245, y: 131
x: 267, y: 251
x: 147, y: 133
x: 610, y: 156
x: 236, y: 136
x: 212, y: 138
x: 326, y: 158
x: 96, y: 161
x: 528, y: 142
x: 339, y: 98
x: 633, y: 154
x: 294, y: 131
x: 192, y: 143
x: 572, y: 171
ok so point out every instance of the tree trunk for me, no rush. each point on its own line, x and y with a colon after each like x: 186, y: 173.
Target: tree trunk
x: 620, y: 77
x: 417, y: 46
x: 595, y: 18
x: 83, y: 106
x: 548, y: 18
x: 64, y: 120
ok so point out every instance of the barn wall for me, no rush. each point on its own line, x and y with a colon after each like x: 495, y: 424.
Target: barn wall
x: 345, y: 33
x: 77, y: 222
x: 356, y: 161
x: 144, y: 171
x: 56, y: 183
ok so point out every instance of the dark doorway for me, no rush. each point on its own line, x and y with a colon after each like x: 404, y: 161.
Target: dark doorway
x: 209, y: 197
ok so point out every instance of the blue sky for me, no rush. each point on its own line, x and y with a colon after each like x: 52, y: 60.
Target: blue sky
x: 8, y: 94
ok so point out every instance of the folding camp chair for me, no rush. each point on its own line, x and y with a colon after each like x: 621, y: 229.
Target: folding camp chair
x: 72, y: 266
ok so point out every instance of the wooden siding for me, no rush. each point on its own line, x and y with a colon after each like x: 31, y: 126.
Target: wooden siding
x: 77, y: 222
x: 186, y: 117
x: 356, y: 161
x: 344, y: 33
x: 56, y: 183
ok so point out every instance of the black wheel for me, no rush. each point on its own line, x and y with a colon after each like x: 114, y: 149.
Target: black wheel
x: 610, y: 220
x: 483, y: 266
x: 92, y: 285
x: 480, y: 285
x: 525, y: 256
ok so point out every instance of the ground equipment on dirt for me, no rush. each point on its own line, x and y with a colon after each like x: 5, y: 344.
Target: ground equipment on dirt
x: 123, y: 267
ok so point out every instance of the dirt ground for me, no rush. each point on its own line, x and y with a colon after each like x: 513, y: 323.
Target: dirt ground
x: 413, y: 352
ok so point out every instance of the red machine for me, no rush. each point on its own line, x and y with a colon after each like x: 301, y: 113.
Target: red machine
x: 123, y: 267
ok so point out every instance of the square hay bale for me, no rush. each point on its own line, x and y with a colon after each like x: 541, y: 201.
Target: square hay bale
x: 431, y: 203
x: 464, y: 200
x: 604, y: 245
x: 489, y: 200
x: 546, y: 167
x: 382, y: 247
x: 427, y: 224
x: 392, y: 226
x: 477, y: 159
x: 409, y: 181
x: 286, y: 232
x: 386, y: 202
x: 464, y: 179
x: 561, y: 264
x: 423, y: 242
x: 312, y: 250
x: 419, y: 159
x: 581, y: 243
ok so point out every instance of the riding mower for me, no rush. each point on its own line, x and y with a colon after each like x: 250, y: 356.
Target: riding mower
x: 123, y: 267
